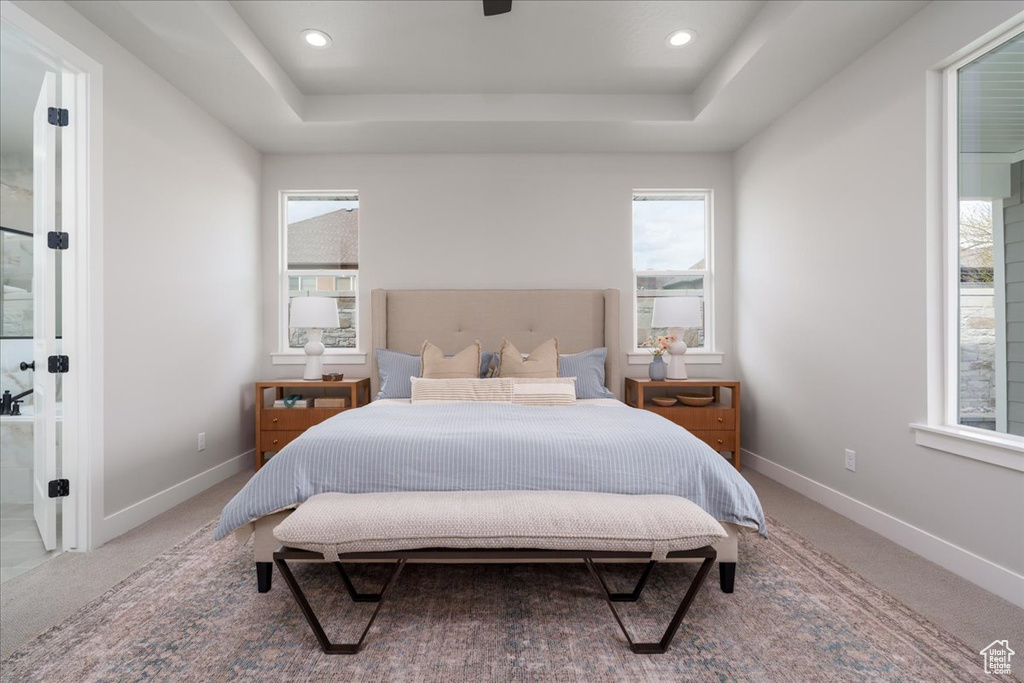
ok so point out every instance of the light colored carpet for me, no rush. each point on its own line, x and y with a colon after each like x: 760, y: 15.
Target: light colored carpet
x: 52, y: 592
x: 47, y: 595
x: 192, y: 615
x: 966, y: 610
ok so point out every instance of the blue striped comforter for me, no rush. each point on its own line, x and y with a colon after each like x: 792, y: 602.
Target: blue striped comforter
x: 487, y: 446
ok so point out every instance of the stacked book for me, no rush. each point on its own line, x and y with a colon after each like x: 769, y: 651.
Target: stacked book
x: 299, y: 403
x: 331, y: 402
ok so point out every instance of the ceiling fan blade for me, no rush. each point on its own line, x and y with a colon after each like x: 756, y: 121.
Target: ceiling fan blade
x: 493, y: 7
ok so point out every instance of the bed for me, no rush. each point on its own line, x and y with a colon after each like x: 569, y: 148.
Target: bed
x: 599, y: 445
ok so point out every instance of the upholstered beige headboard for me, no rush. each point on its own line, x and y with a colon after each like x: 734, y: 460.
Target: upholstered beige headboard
x: 452, y: 318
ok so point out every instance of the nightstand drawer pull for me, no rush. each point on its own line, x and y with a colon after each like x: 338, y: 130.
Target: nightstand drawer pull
x: 275, y: 420
x: 289, y: 419
x: 718, y: 439
x: 275, y: 441
x: 708, y: 419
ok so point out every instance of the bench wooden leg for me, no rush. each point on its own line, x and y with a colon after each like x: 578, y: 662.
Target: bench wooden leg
x: 307, y: 611
x: 662, y: 645
x: 264, y: 576
x: 727, y: 576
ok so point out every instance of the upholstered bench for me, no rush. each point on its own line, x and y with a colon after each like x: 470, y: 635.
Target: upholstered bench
x: 495, y: 525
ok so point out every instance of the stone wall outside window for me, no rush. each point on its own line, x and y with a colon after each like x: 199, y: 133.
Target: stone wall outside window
x: 977, y: 357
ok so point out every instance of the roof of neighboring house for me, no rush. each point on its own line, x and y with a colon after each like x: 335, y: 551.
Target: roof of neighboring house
x: 327, y: 241
x: 656, y: 282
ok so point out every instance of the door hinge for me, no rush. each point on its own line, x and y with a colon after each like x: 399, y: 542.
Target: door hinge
x: 58, y: 364
x: 57, y: 240
x: 60, y: 488
x: 57, y: 117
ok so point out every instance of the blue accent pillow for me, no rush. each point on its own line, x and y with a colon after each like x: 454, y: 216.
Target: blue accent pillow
x: 485, y: 362
x: 396, y: 368
x: 588, y: 369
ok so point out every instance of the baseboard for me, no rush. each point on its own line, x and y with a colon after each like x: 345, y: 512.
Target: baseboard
x: 132, y: 516
x: 1004, y: 582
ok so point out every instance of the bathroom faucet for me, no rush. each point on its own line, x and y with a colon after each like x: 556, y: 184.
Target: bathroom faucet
x: 9, y: 404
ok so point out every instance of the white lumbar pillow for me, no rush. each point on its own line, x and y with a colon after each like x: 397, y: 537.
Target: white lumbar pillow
x: 536, y: 391
x: 532, y: 391
x: 449, y: 390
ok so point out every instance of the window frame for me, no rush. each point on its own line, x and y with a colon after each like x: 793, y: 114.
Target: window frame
x: 707, y: 353
x: 286, y: 355
x: 942, y: 431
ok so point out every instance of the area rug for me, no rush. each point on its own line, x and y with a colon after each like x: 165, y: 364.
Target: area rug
x: 796, y: 615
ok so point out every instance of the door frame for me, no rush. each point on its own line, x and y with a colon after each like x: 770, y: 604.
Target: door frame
x: 82, y: 444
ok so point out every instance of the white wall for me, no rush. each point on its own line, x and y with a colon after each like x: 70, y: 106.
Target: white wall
x: 497, y: 221
x: 832, y: 218
x: 181, y: 282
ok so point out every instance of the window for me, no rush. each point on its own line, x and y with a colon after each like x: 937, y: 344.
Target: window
x: 320, y: 239
x: 988, y: 223
x: 976, y: 374
x: 672, y: 258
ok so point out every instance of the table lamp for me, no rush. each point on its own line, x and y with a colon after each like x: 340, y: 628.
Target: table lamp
x: 315, y: 313
x: 677, y: 313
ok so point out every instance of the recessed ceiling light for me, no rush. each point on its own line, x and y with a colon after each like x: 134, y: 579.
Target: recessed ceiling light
x: 680, y: 38
x: 316, y: 38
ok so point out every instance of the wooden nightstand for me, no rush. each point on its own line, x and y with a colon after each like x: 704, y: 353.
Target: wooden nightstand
x: 716, y: 424
x: 276, y: 427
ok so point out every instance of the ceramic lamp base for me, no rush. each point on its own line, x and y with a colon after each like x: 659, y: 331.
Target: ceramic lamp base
x: 314, y: 349
x: 677, y: 356
x: 676, y: 367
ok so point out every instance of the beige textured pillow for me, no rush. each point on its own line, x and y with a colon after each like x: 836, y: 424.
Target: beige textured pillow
x: 542, y: 361
x: 464, y: 364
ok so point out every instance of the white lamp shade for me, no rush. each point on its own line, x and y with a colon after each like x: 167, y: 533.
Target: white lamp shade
x: 315, y: 311
x: 676, y: 311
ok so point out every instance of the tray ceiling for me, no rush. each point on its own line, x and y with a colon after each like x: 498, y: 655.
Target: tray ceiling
x: 551, y: 76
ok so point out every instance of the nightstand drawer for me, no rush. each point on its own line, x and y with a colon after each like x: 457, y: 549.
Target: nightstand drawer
x: 287, y: 419
x: 720, y: 440
x: 692, y: 418
x: 275, y: 441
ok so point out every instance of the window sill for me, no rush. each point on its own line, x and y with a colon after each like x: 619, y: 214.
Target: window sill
x: 335, y: 358
x: 995, y: 449
x: 692, y: 358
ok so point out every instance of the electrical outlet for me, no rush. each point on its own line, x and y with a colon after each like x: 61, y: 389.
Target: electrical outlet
x: 201, y: 445
x: 851, y: 460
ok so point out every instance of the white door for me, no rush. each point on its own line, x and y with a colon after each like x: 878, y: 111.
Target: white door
x: 44, y: 306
